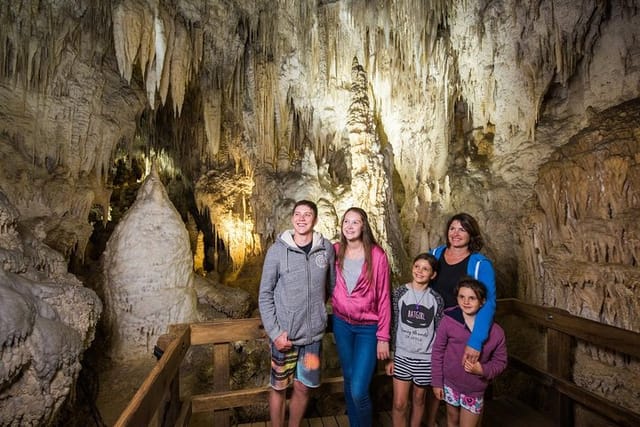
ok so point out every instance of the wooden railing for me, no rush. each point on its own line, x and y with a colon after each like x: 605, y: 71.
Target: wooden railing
x: 157, y: 402
x: 562, y: 330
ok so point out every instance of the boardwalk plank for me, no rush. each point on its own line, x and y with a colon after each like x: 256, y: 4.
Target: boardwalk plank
x: 342, y: 420
x: 315, y: 422
x: 329, y: 422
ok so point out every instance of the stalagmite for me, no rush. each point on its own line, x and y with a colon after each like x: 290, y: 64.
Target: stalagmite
x: 148, y: 269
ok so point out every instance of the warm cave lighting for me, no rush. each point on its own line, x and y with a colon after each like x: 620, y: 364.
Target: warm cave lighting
x: 163, y: 162
x: 198, y: 256
x: 238, y: 236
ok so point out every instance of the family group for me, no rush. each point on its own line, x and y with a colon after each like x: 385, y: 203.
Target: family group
x: 435, y: 334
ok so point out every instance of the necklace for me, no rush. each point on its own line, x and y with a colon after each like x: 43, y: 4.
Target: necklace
x: 415, y: 297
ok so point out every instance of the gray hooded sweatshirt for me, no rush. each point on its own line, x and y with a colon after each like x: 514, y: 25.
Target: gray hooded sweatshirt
x: 293, y: 288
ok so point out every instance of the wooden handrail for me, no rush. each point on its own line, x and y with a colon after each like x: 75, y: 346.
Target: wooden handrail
x: 611, y: 337
x: 163, y: 378
x: 143, y: 406
x: 621, y: 416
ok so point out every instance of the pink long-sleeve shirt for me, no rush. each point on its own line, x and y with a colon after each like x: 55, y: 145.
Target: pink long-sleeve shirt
x: 368, y: 303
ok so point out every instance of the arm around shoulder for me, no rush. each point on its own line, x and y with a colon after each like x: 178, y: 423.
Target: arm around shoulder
x: 485, y: 273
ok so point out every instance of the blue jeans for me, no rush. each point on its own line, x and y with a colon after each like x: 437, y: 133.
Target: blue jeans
x: 357, y: 347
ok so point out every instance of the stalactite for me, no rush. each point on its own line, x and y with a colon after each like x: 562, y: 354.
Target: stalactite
x: 167, y: 50
x: 126, y: 24
x: 180, y: 68
x: 164, y: 76
x: 212, y: 115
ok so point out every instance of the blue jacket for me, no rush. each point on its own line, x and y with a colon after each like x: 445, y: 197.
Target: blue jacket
x: 481, y: 269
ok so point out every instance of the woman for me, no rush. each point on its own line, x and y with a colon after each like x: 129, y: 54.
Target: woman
x: 361, y: 311
x: 461, y: 257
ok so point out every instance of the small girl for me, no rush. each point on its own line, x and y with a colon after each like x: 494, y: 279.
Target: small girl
x: 462, y: 386
x: 417, y: 309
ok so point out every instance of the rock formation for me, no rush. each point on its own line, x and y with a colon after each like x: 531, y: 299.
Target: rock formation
x: 47, y: 321
x: 582, y: 241
x: 148, y: 270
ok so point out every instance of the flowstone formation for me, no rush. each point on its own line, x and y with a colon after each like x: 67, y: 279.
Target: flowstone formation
x: 47, y: 321
x: 581, y: 242
x: 148, y: 270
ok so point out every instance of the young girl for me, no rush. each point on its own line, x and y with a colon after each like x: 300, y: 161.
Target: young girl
x: 361, y: 312
x: 417, y: 310
x: 462, y: 386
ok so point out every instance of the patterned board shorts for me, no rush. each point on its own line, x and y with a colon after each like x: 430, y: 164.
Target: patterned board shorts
x: 301, y: 363
x: 416, y: 370
x: 470, y: 403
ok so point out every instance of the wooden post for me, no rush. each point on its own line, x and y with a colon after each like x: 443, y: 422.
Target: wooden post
x: 221, y: 381
x: 173, y: 404
x: 559, y: 363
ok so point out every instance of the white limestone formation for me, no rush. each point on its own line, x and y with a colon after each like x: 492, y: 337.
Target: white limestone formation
x: 47, y: 321
x: 148, y: 270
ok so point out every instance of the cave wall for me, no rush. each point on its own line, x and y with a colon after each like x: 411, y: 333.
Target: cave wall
x: 412, y: 109
x: 581, y: 242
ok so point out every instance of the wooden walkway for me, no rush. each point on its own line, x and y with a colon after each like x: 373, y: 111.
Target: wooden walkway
x: 383, y: 419
x: 503, y: 412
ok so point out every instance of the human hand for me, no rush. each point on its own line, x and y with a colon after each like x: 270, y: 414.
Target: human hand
x: 438, y: 392
x: 282, y: 343
x: 473, y: 368
x: 388, y: 368
x: 470, y: 354
x: 383, y: 350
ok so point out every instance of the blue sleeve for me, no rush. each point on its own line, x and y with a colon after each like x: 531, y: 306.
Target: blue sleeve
x: 484, y: 318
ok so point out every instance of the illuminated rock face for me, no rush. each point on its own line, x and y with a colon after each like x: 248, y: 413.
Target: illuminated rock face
x: 582, y: 241
x: 148, y: 269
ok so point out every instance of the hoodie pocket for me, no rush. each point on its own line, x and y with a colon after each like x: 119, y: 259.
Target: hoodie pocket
x: 295, y: 327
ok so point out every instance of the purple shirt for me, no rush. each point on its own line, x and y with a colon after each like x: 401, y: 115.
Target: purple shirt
x: 446, y: 360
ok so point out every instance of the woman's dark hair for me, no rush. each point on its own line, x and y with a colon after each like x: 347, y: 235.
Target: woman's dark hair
x: 308, y: 203
x: 368, y: 241
x: 428, y: 257
x: 470, y: 225
x: 475, y: 285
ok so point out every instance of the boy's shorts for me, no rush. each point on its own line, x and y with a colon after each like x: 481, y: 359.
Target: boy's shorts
x: 470, y: 403
x: 302, y: 363
x: 416, y: 370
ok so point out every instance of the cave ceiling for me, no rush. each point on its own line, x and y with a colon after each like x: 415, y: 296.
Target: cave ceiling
x: 411, y: 109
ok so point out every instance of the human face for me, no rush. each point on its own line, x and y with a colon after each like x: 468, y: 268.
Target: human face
x: 303, y: 220
x: 352, y: 225
x: 422, y: 272
x: 458, y: 236
x: 468, y: 301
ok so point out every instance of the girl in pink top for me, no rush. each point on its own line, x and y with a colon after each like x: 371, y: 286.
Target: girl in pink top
x: 362, y: 311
